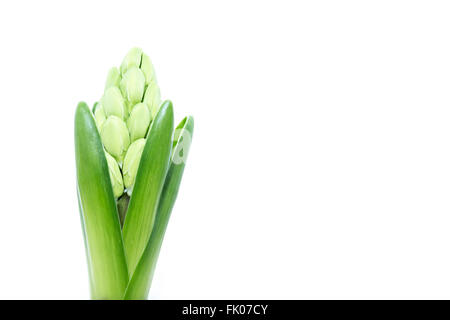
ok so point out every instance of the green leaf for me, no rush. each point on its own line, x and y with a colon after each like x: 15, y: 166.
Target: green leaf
x: 149, y: 182
x: 142, y: 277
x: 101, y: 229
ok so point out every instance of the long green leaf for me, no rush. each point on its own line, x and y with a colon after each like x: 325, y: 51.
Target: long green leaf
x: 150, y: 178
x: 101, y: 229
x: 142, y: 277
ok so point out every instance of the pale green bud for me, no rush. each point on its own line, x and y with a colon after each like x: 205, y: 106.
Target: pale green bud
x: 115, y: 175
x: 138, y: 121
x: 133, y: 85
x: 131, y: 163
x: 113, y: 103
x: 100, y: 116
x: 132, y: 59
x: 152, y: 99
x: 115, y: 137
x: 147, y: 69
x: 113, y: 78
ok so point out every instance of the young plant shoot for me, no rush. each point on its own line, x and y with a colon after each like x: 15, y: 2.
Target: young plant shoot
x: 130, y: 160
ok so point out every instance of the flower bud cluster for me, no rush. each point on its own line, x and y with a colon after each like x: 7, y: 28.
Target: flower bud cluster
x: 123, y: 116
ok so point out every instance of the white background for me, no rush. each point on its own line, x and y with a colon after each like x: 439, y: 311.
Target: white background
x: 320, y: 164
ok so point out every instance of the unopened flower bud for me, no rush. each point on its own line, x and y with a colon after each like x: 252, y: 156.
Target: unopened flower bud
x: 115, y: 175
x: 131, y: 162
x: 132, y: 59
x: 133, y: 85
x: 152, y: 99
x: 100, y: 116
x: 113, y: 103
x: 115, y: 137
x: 138, y: 121
x: 113, y: 78
x: 147, y: 69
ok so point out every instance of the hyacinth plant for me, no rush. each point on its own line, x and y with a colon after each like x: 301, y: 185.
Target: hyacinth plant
x: 130, y: 160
